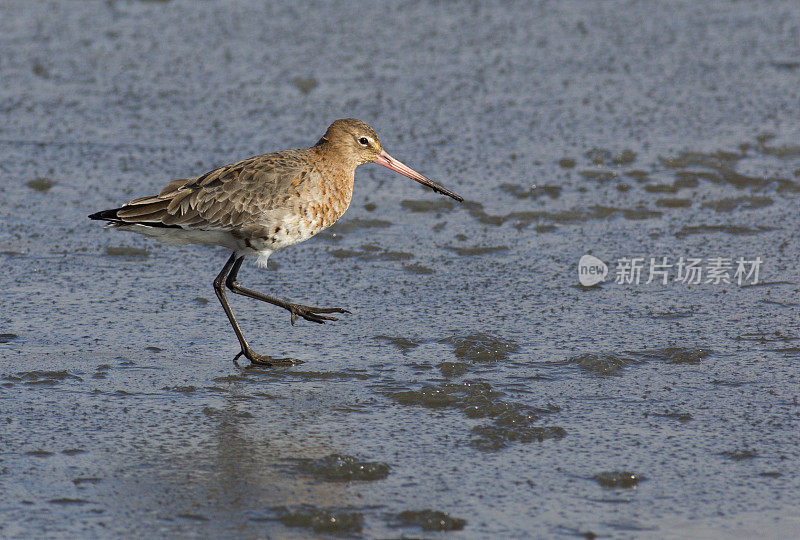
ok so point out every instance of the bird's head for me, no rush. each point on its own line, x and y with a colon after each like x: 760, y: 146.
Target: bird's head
x: 356, y: 143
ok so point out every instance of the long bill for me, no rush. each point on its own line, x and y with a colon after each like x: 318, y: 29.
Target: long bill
x: 389, y: 162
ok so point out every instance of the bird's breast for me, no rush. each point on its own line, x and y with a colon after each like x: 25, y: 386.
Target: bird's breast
x: 328, y: 199
x: 314, y: 207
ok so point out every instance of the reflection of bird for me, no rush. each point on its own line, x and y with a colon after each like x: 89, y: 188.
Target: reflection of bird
x: 262, y: 204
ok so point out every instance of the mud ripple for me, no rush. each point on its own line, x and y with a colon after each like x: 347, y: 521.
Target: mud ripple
x: 416, y: 268
x: 532, y: 192
x: 494, y: 437
x: 478, y: 250
x: 675, y: 415
x: 674, y: 203
x: 371, y: 252
x: 618, y: 479
x: 739, y: 455
x: 738, y: 203
x: 41, y: 377
x: 611, y: 363
x: 122, y: 251
x: 404, y: 344
x: 510, y: 421
x: 721, y: 169
x: 339, y: 468
x: 677, y: 355
x: 349, y: 225
x: 321, y: 520
x: 603, y: 363
x: 305, y: 84
x: 435, y: 206
x: 453, y: 369
x: 40, y: 184
x: 728, y: 229
x: 428, y: 520
x: 481, y: 347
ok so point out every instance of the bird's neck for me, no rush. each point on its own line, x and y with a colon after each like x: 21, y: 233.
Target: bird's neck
x: 336, y: 187
x: 336, y: 156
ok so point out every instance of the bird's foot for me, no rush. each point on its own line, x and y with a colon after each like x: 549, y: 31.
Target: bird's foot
x: 263, y: 360
x: 311, y: 313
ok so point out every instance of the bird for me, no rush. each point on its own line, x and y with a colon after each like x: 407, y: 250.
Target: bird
x: 262, y: 204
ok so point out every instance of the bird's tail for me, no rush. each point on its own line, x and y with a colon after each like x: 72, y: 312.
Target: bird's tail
x: 111, y: 216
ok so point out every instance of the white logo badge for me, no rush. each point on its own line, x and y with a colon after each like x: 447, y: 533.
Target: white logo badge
x: 591, y: 270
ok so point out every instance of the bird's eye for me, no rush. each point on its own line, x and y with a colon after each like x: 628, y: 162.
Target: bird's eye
x: 363, y: 141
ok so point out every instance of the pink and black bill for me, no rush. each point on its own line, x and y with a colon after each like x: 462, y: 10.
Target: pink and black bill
x: 389, y: 162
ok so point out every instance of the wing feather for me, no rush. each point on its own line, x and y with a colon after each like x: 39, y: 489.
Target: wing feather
x: 230, y: 197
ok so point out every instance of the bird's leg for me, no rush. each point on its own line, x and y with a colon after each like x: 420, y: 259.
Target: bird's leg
x: 220, y: 290
x: 309, y: 313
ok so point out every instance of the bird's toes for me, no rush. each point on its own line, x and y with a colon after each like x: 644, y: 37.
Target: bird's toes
x: 320, y: 318
x: 314, y: 314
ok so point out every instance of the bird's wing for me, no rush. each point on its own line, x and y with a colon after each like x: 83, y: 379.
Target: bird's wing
x: 229, y: 197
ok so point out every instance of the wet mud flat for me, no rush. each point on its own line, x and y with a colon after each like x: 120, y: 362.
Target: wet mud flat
x: 477, y: 389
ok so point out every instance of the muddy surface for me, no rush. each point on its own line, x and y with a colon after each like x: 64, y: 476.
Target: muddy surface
x: 477, y: 389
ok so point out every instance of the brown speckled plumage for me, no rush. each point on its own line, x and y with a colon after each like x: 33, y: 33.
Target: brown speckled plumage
x: 261, y: 204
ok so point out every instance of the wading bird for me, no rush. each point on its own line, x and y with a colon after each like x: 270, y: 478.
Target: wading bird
x: 262, y: 204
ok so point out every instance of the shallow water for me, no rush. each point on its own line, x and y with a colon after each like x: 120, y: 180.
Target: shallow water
x: 477, y: 388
